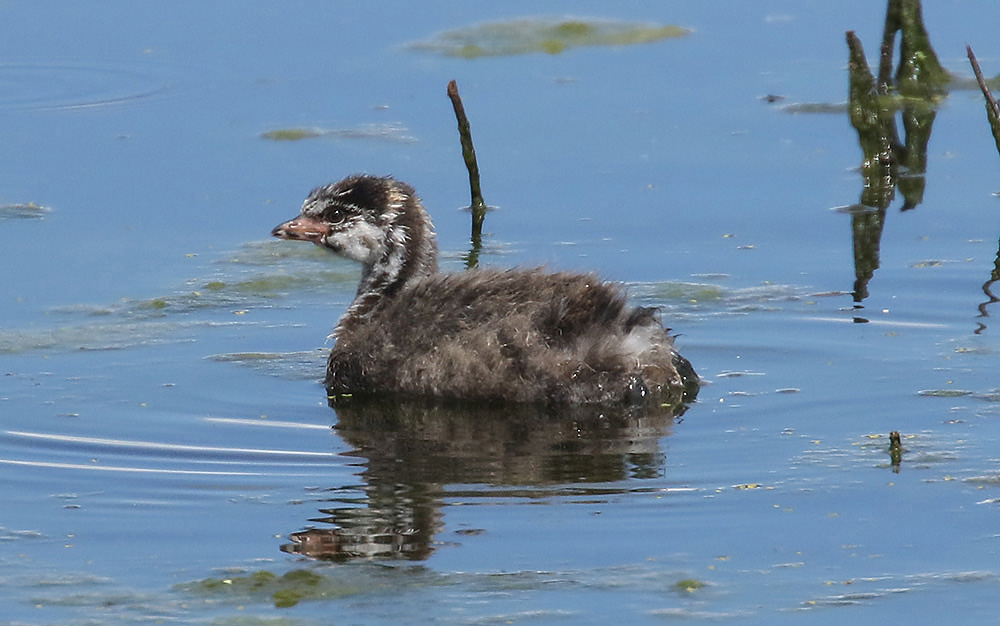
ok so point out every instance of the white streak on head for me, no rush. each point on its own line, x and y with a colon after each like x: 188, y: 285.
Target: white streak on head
x: 358, y: 240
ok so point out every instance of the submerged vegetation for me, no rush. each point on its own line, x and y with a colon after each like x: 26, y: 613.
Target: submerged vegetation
x: 688, y: 585
x: 383, y: 132
x: 547, y: 35
x: 255, y: 277
x: 285, y: 591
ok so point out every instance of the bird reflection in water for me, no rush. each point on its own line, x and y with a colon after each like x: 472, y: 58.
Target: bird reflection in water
x: 415, y: 455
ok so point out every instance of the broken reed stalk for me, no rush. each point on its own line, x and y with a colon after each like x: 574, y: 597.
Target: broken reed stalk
x: 980, y: 79
x: 992, y: 108
x: 478, y: 206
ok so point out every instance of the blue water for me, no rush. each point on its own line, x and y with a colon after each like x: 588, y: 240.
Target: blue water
x: 161, y: 420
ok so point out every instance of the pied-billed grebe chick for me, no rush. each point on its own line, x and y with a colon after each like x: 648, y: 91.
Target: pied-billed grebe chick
x: 513, y: 335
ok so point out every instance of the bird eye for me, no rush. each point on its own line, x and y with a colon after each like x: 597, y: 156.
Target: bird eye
x: 334, y: 215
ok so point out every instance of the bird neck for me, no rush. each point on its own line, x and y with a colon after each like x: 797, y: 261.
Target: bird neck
x: 409, y: 252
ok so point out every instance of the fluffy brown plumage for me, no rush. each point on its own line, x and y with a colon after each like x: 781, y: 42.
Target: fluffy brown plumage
x: 510, y: 335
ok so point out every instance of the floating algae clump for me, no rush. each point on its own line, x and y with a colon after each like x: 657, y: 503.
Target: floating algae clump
x: 549, y: 35
x: 688, y: 585
x: 396, y: 133
x: 284, y: 591
x: 292, y: 134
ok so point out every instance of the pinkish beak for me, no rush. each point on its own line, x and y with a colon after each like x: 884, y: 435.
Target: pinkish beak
x: 302, y: 228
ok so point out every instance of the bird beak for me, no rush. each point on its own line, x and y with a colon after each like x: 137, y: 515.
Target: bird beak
x: 302, y: 228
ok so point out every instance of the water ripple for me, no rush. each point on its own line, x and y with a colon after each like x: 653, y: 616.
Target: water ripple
x: 158, y: 457
x: 61, y: 86
x: 171, y: 447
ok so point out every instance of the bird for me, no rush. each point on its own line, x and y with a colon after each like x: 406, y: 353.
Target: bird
x: 490, y: 335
